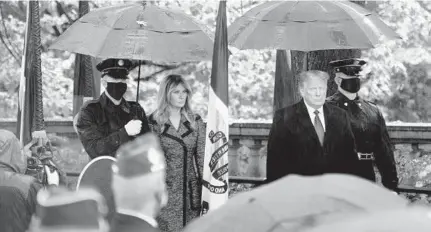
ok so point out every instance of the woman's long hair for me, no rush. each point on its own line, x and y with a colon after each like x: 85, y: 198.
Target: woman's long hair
x: 161, y: 114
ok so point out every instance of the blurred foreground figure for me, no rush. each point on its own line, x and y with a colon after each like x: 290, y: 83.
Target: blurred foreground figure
x: 299, y: 203
x: 417, y: 219
x: 97, y: 174
x: 368, y: 125
x: 138, y: 184
x: 61, y: 210
x: 106, y: 123
x: 17, y: 191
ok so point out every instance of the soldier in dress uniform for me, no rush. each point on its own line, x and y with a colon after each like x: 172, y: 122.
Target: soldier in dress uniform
x: 106, y: 123
x: 368, y: 125
x: 138, y: 184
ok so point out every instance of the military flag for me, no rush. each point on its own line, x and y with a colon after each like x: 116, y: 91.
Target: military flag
x: 215, y: 187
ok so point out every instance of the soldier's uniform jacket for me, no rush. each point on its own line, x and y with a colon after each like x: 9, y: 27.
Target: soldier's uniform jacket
x: 371, y: 137
x: 100, y: 125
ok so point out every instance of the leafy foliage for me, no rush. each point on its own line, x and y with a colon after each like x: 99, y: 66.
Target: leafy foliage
x: 398, y: 80
x: 400, y: 69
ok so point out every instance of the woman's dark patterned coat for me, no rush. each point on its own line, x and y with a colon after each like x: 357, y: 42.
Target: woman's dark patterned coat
x: 177, y: 144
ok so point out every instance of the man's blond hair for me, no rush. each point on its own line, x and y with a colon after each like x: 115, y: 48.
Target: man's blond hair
x: 306, y: 75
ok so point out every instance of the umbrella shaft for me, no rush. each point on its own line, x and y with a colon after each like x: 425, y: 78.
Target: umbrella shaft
x: 139, y: 81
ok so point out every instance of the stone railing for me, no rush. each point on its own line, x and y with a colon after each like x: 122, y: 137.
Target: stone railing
x: 247, y: 149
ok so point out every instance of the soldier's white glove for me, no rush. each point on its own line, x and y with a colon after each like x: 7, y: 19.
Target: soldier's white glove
x: 52, y: 177
x: 133, y: 127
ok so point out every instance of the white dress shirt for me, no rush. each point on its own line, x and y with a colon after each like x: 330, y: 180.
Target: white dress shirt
x: 313, y: 115
x: 144, y: 217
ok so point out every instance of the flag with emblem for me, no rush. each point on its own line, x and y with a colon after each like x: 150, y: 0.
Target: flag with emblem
x: 30, y: 119
x: 215, y: 172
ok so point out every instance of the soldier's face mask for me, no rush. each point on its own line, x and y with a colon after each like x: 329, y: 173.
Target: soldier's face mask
x: 116, y: 89
x: 351, y: 85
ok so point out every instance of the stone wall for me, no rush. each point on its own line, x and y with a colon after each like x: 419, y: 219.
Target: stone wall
x: 247, y: 146
x: 247, y: 154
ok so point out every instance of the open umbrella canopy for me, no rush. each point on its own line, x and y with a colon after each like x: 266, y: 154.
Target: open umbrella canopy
x: 308, y: 26
x: 140, y: 32
x: 296, y: 203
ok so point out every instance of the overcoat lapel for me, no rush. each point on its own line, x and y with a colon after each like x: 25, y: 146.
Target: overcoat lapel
x: 329, y: 120
x: 183, y: 130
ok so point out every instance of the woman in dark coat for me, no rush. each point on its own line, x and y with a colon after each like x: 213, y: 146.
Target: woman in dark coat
x: 182, y: 136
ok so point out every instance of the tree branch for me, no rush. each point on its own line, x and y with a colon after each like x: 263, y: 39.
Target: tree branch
x: 94, y: 5
x: 9, y: 50
x: 164, y: 69
x: 424, y: 6
x: 249, y: 4
x: 135, y: 64
x: 12, y: 50
x: 166, y: 66
x: 17, y: 9
x: 61, y: 11
x: 57, y: 32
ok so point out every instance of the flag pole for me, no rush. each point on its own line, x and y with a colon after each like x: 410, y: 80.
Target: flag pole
x: 139, y: 81
x: 22, y: 84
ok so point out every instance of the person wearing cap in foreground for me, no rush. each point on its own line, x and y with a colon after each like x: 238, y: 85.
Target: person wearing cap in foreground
x: 138, y: 185
x: 106, y: 123
x: 62, y: 210
x: 368, y: 125
x: 414, y: 218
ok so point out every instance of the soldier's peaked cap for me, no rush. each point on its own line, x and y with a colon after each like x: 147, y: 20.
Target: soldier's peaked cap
x: 116, y: 68
x: 350, y: 67
x: 139, y: 157
x: 61, y: 208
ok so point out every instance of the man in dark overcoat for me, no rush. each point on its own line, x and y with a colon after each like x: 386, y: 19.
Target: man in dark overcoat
x: 310, y: 137
x: 372, y: 139
x: 109, y: 121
